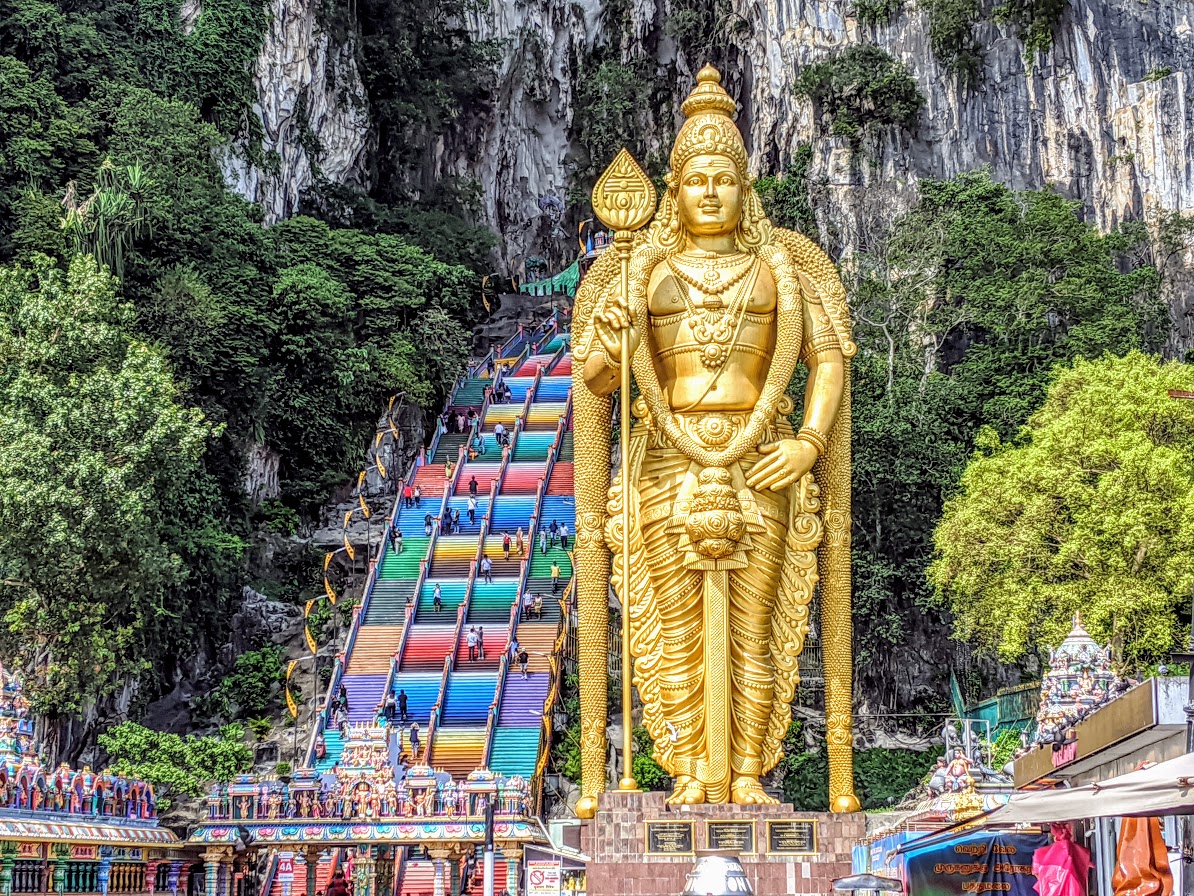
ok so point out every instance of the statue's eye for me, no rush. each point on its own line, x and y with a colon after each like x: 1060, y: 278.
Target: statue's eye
x: 725, y: 181
x: 694, y: 181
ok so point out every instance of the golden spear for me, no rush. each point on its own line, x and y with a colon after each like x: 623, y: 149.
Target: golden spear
x: 624, y: 201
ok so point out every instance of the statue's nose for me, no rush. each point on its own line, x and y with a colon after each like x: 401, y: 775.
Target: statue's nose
x: 710, y: 190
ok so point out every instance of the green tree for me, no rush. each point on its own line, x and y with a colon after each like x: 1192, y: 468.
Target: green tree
x: 861, y: 87
x: 1089, y: 509
x: 176, y: 764
x: 252, y: 684
x: 95, y: 448
x: 960, y: 317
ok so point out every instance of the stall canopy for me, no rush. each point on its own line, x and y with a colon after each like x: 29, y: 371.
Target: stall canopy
x: 1166, y: 788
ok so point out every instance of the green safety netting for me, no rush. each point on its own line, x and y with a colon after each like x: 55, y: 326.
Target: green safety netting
x: 564, y: 282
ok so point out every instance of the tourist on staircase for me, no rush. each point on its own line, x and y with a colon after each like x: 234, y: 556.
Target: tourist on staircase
x: 471, y: 640
x: 402, y: 698
x: 506, y: 545
x: 437, y: 598
x: 520, y: 543
x: 564, y: 536
x: 472, y: 510
x: 472, y: 487
x: 555, y: 576
x: 480, y: 642
x: 487, y: 570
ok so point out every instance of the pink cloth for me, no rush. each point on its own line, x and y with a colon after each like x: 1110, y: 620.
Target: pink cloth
x: 1063, y: 867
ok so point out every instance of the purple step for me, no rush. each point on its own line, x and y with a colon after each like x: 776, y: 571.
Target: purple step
x: 364, y: 696
x: 522, y: 700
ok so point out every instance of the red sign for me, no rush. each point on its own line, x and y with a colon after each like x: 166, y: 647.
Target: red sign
x: 1067, y: 753
x: 285, y: 867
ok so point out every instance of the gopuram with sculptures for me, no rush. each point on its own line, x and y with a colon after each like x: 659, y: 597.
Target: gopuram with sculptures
x: 728, y: 514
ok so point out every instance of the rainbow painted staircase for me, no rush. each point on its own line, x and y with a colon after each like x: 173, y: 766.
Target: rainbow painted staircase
x: 476, y: 712
x: 472, y: 712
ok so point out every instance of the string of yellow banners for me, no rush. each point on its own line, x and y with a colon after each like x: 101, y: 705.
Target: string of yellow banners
x: 329, y: 593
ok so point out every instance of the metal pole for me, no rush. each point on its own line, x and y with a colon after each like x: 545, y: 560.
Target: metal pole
x: 487, y: 872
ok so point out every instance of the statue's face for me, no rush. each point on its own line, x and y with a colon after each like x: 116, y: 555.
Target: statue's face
x: 710, y: 195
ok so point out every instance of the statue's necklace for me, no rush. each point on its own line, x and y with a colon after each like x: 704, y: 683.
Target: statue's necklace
x: 713, y: 282
x: 714, y: 325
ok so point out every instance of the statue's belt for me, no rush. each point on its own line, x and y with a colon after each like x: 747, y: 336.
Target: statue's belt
x: 714, y: 510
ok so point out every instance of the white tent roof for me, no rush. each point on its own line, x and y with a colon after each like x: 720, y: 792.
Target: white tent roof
x: 1166, y: 788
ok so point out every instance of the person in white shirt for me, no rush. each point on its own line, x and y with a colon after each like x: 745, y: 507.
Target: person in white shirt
x: 471, y: 640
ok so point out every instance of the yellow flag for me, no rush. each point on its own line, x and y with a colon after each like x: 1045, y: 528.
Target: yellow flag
x: 327, y: 561
x: 393, y: 428
x: 364, y: 506
x: 327, y: 587
x: 361, y: 480
x: 348, y: 549
x: 307, y: 609
x: 377, y: 441
x: 310, y: 641
x: 291, y: 706
x: 390, y: 406
x: 381, y: 468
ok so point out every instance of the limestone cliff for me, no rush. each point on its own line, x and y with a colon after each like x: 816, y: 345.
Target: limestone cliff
x: 312, y: 112
x: 1103, y: 116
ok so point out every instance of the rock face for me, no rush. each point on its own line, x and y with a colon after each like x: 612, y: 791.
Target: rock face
x: 312, y: 110
x: 1096, y: 117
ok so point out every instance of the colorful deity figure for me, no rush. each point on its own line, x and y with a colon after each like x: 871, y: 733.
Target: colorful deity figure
x: 62, y: 792
x: 957, y: 773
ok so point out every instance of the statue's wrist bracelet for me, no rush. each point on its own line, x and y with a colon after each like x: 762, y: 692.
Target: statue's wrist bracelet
x: 814, y: 437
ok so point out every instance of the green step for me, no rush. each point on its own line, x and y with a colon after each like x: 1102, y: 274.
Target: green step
x: 404, y: 565
x: 448, y: 447
x: 541, y: 564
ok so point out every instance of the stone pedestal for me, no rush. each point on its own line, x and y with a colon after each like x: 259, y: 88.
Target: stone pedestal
x: 803, y: 854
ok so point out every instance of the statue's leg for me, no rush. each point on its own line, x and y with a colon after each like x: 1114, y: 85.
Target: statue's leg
x: 752, y: 601
x: 678, y: 598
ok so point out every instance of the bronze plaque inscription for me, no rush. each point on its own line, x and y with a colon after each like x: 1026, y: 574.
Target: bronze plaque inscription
x: 731, y: 836
x: 669, y: 838
x: 792, y: 837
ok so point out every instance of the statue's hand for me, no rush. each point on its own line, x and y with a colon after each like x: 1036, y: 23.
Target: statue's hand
x: 609, y: 323
x: 783, y: 463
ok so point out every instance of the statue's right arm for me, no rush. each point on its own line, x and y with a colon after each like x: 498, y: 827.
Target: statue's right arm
x: 602, y: 369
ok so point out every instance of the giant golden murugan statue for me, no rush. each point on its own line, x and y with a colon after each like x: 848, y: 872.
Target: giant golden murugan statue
x: 734, y: 516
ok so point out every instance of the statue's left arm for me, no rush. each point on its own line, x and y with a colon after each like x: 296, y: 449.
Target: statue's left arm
x: 787, y: 460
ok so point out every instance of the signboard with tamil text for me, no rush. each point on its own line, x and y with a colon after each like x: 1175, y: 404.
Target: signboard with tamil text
x: 998, y: 864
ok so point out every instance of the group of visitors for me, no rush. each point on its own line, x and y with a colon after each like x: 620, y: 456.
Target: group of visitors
x: 549, y: 535
x: 457, y: 423
x: 475, y: 639
x: 519, y: 544
x: 532, y: 607
x: 500, y: 394
x: 339, y: 710
x: 412, y: 495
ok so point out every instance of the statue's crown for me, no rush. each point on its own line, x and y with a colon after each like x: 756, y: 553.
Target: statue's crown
x: 709, y: 124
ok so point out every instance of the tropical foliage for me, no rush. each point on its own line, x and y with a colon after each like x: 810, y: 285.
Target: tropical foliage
x: 1089, y: 509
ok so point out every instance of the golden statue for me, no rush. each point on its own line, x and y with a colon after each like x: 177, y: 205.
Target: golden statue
x: 732, y: 516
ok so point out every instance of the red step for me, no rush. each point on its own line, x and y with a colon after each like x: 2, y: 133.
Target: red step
x: 561, y: 481
x: 484, y: 473
x: 430, y: 480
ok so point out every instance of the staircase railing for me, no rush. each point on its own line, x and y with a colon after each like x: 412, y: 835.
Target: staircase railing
x: 553, y: 693
x: 491, y: 718
x: 438, y: 708
x: 503, y: 670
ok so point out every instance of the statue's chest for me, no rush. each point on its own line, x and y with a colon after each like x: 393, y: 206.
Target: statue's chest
x: 685, y: 291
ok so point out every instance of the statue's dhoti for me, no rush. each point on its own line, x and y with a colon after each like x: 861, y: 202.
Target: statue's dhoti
x: 764, y: 587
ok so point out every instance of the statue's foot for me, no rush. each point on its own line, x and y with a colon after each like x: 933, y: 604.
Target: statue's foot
x: 688, y: 790
x: 747, y: 791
